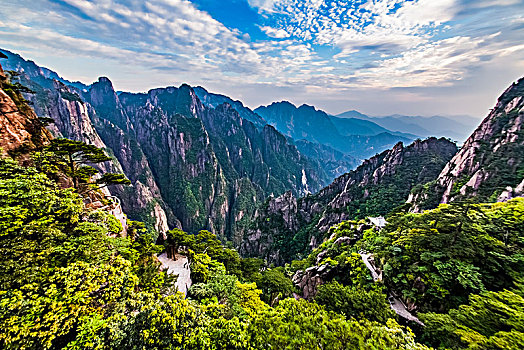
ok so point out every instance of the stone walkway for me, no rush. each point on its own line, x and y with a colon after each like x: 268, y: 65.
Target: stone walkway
x: 179, y: 267
x: 365, y: 257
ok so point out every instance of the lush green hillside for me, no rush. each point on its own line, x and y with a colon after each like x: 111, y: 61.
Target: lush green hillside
x: 459, y: 267
x: 70, y: 279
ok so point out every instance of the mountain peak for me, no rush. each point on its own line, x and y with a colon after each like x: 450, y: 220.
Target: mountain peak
x: 104, y: 80
x: 306, y: 106
x: 280, y: 103
x: 352, y: 114
x: 103, y: 84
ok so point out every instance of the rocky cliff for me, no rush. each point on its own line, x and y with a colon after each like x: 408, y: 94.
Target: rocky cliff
x: 490, y: 165
x: 20, y: 128
x: 333, y: 163
x: 287, y: 227
x: 192, y: 165
x: 75, y: 118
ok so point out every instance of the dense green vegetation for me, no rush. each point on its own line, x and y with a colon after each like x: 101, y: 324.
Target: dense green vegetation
x: 438, y: 258
x: 492, y: 320
x: 68, y: 160
x: 70, y: 279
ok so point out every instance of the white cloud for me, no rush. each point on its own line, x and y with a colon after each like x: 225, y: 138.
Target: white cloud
x: 388, y: 25
x: 438, y: 63
x: 375, y: 44
x: 275, y: 33
x: 265, y: 5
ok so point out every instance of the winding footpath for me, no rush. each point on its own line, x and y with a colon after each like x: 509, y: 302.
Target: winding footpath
x: 396, y: 304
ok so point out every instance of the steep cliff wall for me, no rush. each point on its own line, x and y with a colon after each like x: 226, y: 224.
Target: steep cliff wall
x: 211, y: 165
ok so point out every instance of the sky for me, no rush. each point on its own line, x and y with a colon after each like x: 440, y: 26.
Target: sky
x: 381, y: 57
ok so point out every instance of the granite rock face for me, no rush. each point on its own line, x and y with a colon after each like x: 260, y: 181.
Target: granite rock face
x: 490, y: 164
x: 19, y: 126
x: 77, y: 119
x: 308, y: 281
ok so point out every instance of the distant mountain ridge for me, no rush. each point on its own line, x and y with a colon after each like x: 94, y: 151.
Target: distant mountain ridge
x: 214, y: 100
x: 356, y: 137
x: 320, y: 153
x: 457, y: 128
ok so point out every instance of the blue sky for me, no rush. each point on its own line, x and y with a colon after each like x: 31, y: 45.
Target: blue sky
x: 381, y: 57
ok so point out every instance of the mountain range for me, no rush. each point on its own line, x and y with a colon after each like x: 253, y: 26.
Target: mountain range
x: 191, y: 166
x: 489, y: 167
x: 356, y: 137
x: 196, y: 159
x: 201, y: 160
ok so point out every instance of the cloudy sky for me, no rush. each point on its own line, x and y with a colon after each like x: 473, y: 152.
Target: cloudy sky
x: 418, y: 57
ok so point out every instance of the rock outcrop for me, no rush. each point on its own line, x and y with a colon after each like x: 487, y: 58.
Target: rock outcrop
x: 77, y: 119
x: 20, y: 128
x: 308, y: 280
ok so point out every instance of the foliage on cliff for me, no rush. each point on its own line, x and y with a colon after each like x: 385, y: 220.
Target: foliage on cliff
x: 491, y: 320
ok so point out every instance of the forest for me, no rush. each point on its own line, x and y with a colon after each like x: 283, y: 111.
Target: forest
x: 70, y: 279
